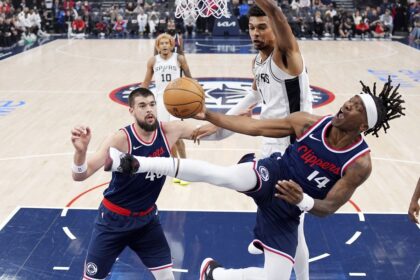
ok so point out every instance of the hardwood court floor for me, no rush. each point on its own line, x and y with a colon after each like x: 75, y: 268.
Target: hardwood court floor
x: 67, y: 82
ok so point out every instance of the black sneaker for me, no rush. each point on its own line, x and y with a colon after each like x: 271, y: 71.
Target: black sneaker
x: 128, y: 164
x: 207, y: 267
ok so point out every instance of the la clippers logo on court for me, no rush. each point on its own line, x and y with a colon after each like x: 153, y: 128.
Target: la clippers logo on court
x: 224, y: 93
x: 264, y: 173
x: 91, y: 268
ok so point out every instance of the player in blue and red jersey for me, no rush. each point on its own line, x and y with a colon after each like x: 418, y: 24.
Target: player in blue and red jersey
x: 128, y: 215
x: 318, y: 173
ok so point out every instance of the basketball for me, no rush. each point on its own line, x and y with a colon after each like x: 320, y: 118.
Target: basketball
x: 183, y: 98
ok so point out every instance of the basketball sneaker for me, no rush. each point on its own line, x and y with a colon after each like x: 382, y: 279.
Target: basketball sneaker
x: 121, y: 162
x: 207, y: 268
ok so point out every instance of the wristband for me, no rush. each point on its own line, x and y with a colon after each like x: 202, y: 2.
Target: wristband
x: 306, y: 204
x: 79, y: 168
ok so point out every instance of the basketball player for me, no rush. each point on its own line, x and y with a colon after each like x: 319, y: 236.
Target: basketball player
x: 414, y: 208
x: 281, y: 86
x: 128, y: 215
x: 317, y: 174
x: 165, y: 67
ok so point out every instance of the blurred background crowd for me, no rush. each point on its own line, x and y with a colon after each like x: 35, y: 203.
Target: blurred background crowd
x: 23, y: 21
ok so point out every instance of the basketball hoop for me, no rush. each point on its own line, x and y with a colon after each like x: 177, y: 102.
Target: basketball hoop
x: 201, y: 8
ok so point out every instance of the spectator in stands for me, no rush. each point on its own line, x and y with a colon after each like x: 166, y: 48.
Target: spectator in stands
x: 415, y: 31
x: 142, y: 22
x: 189, y: 22
x: 362, y: 29
x: 387, y: 21
x: 119, y: 28
x: 78, y: 25
x: 377, y: 29
x: 318, y: 24
x: 243, y: 15
x: 328, y: 25
x: 153, y: 17
x: 346, y: 27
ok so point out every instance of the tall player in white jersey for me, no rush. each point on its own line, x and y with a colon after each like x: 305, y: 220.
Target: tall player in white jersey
x: 165, y: 67
x: 281, y: 86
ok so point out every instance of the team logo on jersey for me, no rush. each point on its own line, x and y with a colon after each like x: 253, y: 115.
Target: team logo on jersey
x: 263, y: 171
x: 224, y: 93
x: 91, y: 268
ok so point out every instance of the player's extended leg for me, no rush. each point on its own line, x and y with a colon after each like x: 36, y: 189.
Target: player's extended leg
x: 301, y: 266
x: 276, y: 267
x: 239, y: 177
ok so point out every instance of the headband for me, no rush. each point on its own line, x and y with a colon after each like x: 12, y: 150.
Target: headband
x: 371, y: 111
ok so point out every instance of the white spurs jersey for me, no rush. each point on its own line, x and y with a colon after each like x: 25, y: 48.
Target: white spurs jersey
x: 280, y: 94
x: 165, y: 71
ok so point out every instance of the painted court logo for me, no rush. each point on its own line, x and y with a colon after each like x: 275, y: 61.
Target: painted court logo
x: 224, y: 93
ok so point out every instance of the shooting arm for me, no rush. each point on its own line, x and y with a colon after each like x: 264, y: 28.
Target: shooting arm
x: 249, y: 126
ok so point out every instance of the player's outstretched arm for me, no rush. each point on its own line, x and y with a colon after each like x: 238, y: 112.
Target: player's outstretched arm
x: 287, y: 51
x: 414, y: 208
x: 82, y: 167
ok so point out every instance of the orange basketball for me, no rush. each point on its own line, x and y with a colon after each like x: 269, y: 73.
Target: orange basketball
x: 183, y: 98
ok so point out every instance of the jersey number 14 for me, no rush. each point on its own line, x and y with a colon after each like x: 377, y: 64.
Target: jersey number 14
x: 321, y: 181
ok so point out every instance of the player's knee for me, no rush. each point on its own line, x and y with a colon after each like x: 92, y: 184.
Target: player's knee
x: 163, y: 274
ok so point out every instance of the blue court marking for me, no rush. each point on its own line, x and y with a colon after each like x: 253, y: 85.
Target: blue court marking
x: 33, y: 243
x: 8, y: 52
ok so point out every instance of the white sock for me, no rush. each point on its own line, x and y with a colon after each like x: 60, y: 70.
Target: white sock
x: 301, y: 266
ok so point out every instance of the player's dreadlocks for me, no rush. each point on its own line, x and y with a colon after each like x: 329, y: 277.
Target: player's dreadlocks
x: 388, y: 104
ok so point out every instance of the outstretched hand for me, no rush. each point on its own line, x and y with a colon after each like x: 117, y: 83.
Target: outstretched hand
x: 203, y: 131
x: 80, y: 137
x: 289, y: 191
x: 413, y: 211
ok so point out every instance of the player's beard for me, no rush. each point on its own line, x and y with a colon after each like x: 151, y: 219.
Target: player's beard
x: 146, y: 126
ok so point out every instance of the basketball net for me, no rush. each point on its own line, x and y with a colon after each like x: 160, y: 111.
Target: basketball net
x: 201, y: 8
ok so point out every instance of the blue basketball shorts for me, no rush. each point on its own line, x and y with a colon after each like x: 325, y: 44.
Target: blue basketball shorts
x: 277, y: 221
x: 113, y: 232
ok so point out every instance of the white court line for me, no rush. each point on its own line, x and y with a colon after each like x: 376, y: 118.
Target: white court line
x: 317, y: 258
x: 61, y: 268
x: 64, y: 212
x: 180, y: 270
x: 418, y: 225
x: 68, y: 233
x: 353, y: 238
x: 357, y: 274
x: 361, y: 216
x: 9, y: 217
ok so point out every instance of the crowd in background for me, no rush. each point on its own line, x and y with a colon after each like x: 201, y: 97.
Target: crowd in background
x: 22, y: 21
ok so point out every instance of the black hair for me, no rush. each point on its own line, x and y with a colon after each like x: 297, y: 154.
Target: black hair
x: 144, y: 92
x: 255, y: 11
x: 388, y: 104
